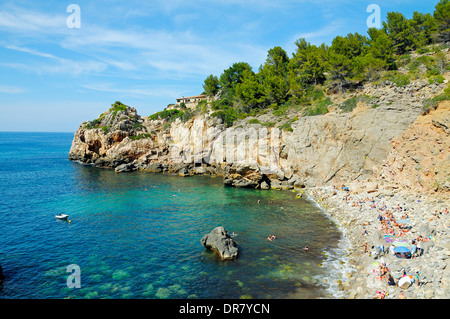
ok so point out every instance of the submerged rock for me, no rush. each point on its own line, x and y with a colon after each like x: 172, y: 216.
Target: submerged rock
x: 219, y: 241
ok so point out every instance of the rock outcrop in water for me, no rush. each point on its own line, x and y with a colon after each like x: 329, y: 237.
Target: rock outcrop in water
x: 219, y: 241
x: 317, y: 150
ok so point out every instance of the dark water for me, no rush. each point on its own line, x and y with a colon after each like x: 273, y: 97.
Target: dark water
x: 137, y: 235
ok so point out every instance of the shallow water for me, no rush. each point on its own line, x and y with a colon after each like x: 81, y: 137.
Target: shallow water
x: 137, y: 235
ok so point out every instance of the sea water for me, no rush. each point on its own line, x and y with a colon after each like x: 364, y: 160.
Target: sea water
x: 137, y: 235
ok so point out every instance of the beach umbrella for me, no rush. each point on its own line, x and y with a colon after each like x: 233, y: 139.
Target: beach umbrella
x: 403, y: 221
x: 401, y: 250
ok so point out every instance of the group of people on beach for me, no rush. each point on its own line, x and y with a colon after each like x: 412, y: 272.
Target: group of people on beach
x: 394, y: 230
x: 391, y: 227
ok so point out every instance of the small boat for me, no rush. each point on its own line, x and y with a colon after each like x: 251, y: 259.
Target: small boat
x: 61, y: 216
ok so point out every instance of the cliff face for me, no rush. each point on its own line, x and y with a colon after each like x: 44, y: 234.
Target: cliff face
x: 419, y: 159
x: 344, y: 147
x: 367, y: 143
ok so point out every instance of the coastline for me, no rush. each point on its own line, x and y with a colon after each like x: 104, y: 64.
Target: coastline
x: 355, y: 274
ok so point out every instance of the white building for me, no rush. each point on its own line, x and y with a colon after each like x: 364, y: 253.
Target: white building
x: 191, y: 101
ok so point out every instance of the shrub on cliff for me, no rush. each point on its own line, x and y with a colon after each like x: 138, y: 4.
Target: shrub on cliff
x: 432, y: 103
x: 228, y: 116
x: 167, y: 115
x: 350, y: 104
x: 319, y: 108
x: 398, y: 78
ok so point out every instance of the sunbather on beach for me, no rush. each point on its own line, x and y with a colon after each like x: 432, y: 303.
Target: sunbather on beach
x: 380, y: 294
x: 382, y: 270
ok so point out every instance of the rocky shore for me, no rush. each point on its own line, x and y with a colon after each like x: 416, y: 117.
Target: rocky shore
x: 357, y: 213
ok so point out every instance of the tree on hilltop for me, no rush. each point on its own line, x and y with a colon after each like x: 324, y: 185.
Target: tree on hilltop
x: 211, y: 85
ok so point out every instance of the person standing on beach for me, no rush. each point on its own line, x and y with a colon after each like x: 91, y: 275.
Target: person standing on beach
x: 365, y: 247
x: 413, y: 249
x: 419, y: 248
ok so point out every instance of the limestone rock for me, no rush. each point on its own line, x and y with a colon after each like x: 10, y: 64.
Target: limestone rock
x: 220, y: 241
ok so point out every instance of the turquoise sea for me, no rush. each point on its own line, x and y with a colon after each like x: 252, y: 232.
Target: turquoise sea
x: 137, y: 235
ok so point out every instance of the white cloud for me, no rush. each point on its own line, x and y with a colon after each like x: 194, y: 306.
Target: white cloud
x: 22, y: 20
x: 62, y: 65
x: 33, y: 52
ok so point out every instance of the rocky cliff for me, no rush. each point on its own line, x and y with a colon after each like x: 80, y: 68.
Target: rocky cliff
x: 387, y: 140
x: 419, y: 159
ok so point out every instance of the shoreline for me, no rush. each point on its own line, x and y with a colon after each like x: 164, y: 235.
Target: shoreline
x: 355, y: 274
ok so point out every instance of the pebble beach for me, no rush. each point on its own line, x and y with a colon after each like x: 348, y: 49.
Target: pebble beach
x: 370, y: 223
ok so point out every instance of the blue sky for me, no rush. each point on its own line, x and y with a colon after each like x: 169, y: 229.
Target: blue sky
x: 147, y: 53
